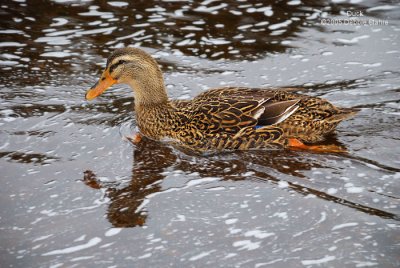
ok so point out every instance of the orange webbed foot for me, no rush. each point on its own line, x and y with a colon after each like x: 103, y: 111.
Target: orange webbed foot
x: 135, y: 138
x: 330, y: 148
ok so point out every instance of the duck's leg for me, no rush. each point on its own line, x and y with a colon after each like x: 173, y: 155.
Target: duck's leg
x: 135, y: 138
x: 90, y: 179
x: 331, y: 148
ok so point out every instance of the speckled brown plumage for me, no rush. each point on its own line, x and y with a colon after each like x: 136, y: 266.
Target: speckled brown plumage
x: 232, y: 118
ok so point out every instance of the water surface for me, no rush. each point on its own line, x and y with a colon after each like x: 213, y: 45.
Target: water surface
x: 75, y: 193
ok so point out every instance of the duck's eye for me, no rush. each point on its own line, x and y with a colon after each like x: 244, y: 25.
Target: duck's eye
x: 112, y: 67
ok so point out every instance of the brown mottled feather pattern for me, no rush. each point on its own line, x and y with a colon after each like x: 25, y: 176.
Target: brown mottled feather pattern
x: 223, y: 119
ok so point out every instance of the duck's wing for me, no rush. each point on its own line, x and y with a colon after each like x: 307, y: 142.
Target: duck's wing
x: 229, y: 110
x: 276, y: 112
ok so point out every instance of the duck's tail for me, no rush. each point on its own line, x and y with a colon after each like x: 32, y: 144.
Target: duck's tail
x: 343, y: 114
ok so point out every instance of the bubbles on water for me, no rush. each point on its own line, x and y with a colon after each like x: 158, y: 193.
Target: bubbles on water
x: 113, y: 231
x: 59, y: 54
x: 353, y: 40
x: 231, y: 221
x: 318, y: 261
x: 344, y: 225
x: 91, y: 243
x: 258, y: 234
x: 203, y: 7
x: 280, y: 25
x: 93, y: 12
x: 58, y: 22
x: 117, y: 3
x: 294, y: 2
x: 201, y: 255
x: 11, y: 44
x: 382, y: 8
x: 246, y: 245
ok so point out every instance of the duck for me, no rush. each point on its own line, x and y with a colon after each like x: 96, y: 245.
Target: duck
x: 220, y: 119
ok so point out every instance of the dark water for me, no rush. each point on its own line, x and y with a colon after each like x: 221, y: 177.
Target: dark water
x: 75, y: 193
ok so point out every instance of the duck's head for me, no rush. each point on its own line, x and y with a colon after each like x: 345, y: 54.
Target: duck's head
x: 136, y: 68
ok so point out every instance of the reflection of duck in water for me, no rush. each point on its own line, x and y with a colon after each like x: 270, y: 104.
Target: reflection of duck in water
x: 127, y: 206
x: 220, y: 119
x: 151, y: 159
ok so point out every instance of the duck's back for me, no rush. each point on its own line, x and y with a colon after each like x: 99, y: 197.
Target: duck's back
x: 299, y: 116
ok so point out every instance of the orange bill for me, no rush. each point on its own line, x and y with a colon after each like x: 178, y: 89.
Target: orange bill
x: 104, y: 82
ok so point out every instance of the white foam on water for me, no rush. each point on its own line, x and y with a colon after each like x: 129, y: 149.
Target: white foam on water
x: 283, y: 184
x: 212, y: 10
x: 266, y: 10
x: 282, y: 215
x: 236, y: 12
x: 54, y: 40
x: 344, y: 225
x: 322, y: 219
x: 245, y: 26
x: 155, y: 9
x: 147, y: 255
x: 91, y: 243
x: 280, y: 25
x: 381, y: 8
x: 191, y: 28
x: 5, y: 145
x: 332, y: 191
x: 81, y: 238
x: 354, y: 40
x: 63, y: 1
x: 131, y: 35
x: 294, y: 3
x: 366, y: 263
x: 117, y: 4
x: 318, y: 261
x: 108, y: 30
x: 258, y: 234
x: 215, y: 41
x: 185, y: 42
x: 201, y: 181
x: 231, y: 221
x: 353, y: 63
x: 262, y: 23
x: 9, y: 31
x: 327, y: 53
x: 9, y: 56
x: 372, y: 65
x: 113, y: 231
x: 93, y: 12
x: 11, y: 44
x: 246, y: 244
x: 355, y: 190
x: 40, y: 238
x: 8, y: 62
x: 58, y: 22
x: 174, y: 189
x: 60, y: 33
x: 201, y: 255
x: 56, y: 54
x: 180, y: 218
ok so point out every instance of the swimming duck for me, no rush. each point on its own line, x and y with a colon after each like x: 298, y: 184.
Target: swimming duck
x: 229, y: 118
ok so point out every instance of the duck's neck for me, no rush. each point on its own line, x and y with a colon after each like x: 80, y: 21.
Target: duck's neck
x: 150, y: 90
x: 154, y: 119
x: 153, y: 109
x: 148, y: 86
